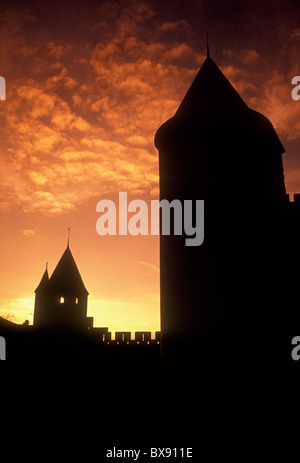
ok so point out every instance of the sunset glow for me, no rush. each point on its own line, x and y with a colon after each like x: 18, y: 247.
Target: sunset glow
x: 87, y: 86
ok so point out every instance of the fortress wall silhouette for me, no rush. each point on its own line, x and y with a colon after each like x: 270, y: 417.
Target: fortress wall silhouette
x: 238, y: 286
x: 229, y: 308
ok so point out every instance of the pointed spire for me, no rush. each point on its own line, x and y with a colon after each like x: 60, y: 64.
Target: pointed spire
x: 207, y: 46
x: 66, y: 277
x: 43, y: 285
x: 210, y: 96
x: 68, y: 244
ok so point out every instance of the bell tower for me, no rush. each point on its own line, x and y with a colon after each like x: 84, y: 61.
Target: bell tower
x: 61, y: 300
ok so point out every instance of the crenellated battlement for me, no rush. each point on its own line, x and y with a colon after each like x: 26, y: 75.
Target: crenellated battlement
x: 124, y: 338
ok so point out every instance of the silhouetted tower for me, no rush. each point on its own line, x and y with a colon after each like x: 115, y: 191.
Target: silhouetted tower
x: 41, y: 298
x: 218, y: 149
x: 61, y: 301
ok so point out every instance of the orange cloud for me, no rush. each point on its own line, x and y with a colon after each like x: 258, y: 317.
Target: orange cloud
x: 27, y: 232
x: 78, y: 125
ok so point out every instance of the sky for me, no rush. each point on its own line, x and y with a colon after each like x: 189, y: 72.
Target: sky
x: 88, y: 83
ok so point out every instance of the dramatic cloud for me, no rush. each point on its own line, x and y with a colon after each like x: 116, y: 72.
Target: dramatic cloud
x: 27, y: 232
x: 88, y: 85
x: 80, y: 119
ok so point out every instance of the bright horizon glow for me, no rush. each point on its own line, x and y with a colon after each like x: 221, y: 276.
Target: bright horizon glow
x: 78, y: 126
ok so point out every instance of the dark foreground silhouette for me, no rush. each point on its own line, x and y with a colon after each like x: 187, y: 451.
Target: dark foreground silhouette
x: 229, y: 308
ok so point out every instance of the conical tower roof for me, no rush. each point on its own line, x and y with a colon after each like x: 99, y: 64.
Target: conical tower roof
x: 66, y: 278
x: 43, y: 285
x: 210, y: 95
x: 211, y: 101
x: 231, y: 147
